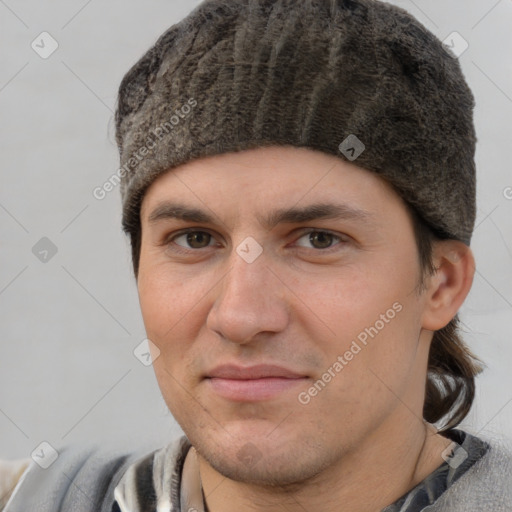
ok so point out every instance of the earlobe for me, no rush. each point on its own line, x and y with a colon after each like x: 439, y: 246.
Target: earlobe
x: 449, y: 286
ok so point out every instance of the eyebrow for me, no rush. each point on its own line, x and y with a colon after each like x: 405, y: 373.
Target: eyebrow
x: 168, y: 210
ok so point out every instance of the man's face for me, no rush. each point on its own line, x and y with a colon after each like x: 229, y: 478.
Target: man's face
x: 332, y: 301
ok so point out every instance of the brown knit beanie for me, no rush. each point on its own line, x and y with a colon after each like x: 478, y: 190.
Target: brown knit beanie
x: 359, y: 79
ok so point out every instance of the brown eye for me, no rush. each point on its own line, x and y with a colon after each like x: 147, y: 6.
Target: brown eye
x: 194, y: 239
x: 324, y: 240
x: 320, y: 239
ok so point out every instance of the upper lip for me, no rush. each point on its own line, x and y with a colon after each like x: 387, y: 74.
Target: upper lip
x: 260, y: 371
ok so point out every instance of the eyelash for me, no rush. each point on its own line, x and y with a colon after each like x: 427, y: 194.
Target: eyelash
x: 180, y: 249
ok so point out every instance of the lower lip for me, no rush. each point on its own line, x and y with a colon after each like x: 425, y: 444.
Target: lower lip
x: 249, y: 390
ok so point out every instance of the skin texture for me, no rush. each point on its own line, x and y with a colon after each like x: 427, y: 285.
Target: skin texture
x: 360, y: 441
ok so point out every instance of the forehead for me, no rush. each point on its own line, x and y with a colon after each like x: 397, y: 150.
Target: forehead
x: 271, y: 178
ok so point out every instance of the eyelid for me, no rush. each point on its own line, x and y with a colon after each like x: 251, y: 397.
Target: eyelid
x: 340, y: 236
x: 302, y: 232
x: 168, y: 239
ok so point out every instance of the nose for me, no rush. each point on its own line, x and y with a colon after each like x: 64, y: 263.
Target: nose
x: 251, y: 299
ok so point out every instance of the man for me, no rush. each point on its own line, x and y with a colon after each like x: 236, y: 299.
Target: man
x: 298, y: 185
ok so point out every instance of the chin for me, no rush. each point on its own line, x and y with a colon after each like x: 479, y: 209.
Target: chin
x: 258, y: 461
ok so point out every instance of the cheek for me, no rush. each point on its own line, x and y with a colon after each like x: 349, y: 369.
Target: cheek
x: 369, y: 316
x: 167, y: 299
x: 173, y: 310
x: 348, y: 300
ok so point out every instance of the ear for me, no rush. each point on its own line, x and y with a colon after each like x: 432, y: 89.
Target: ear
x: 449, y: 286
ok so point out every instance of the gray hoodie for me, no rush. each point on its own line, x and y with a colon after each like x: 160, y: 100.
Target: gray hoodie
x: 90, y: 479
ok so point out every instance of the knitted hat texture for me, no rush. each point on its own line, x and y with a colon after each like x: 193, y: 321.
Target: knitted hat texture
x: 350, y: 78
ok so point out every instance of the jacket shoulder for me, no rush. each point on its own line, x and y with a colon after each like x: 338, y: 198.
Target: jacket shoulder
x: 81, y: 478
x: 487, y: 485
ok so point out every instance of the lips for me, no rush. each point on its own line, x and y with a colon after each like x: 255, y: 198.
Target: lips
x: 260, y: 371
x: 254, y: 383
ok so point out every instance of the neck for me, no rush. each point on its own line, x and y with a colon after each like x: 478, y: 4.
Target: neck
x: 382, y: 469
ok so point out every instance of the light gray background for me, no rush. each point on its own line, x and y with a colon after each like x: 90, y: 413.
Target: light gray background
x: 69, y: 326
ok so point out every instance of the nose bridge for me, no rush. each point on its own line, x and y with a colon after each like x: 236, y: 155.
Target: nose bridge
x: 248, y: 263
x: 250, y: 298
